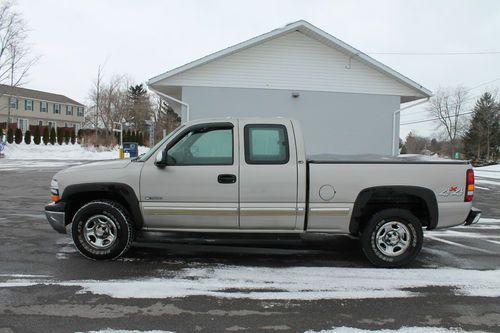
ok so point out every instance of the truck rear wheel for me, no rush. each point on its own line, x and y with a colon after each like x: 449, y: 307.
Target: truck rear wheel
x: 392, y: 238
x: 102, y: 230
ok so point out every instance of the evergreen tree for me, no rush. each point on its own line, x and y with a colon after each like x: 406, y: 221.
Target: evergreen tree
x: 73, y: 137
x: 66, y: 137
x: 18, y: 136
x: 36, y: 136
x: 79, y: 136
x: 140, y: 139
x: 60, y: 136
x: 10, y: 135
x: 27, y: 137
x: 1, y: 134
x: 52, y: 138
x: 482, y: 140
x: 46, y: 135
x: 133, y: 136
x: 126, y: 138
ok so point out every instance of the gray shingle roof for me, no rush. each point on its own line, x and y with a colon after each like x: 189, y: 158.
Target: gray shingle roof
x: 36, y: 94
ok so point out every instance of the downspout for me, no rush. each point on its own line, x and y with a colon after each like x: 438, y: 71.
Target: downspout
x: 394, y: 122
x: 173, y: 99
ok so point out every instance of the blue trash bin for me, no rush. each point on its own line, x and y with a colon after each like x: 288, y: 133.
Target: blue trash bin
x: 131, y: 148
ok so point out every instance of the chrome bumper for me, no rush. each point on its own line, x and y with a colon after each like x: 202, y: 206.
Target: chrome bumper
x: 473, y: 217
x: 56, y: 217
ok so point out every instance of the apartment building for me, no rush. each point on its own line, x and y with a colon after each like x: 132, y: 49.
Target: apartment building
x: 39, y: 108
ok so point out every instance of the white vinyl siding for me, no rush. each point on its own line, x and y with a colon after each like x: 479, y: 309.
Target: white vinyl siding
x: 292, y: 61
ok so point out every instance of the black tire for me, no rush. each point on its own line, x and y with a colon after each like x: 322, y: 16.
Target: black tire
x: 376, y: 239
x: 108, y: 218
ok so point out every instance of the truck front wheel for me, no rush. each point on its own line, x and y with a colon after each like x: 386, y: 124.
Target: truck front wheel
x: 102, y: 229
x: 392, y: 238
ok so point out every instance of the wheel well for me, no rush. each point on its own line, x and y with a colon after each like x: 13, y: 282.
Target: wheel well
x: 420, y: 202
x: 78, y: 195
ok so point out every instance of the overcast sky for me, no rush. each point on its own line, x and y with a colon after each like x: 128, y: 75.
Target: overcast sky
x: 146, y: 38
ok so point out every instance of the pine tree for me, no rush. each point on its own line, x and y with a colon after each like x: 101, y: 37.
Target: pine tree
x: 52, y: 138
x: 10, y: 135
x: 60, y: 136
x: 66, y: 137
x: 481, y: 141
x: 36, y: 136
x: 127, y: 136
x: 18, y: 136
x: 79, y: 136
x: 27, y: 137
x: 73, y: 137
x: 46, y: 135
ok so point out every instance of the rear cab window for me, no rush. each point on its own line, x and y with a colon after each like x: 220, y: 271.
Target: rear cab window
x: 266, y: 144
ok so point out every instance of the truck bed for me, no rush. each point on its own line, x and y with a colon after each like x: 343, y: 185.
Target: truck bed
x: 380, y: 159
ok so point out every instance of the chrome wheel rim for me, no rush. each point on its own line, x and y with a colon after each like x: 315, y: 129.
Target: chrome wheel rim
x: 100, y: 232
x: 393, y: 238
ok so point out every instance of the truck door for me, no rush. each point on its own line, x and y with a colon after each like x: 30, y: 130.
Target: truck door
x: 268, y: 175
x: 198, y: 188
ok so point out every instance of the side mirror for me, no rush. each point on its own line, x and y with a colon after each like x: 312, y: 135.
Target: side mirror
x: 161, y: 160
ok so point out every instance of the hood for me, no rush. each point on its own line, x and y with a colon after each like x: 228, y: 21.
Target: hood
x: 113, y: 164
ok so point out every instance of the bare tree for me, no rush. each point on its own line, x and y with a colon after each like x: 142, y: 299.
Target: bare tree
x: 448, y: 105
x: 16, y: 58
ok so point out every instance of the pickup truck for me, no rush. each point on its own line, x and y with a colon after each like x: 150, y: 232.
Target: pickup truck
x: 246, y: 177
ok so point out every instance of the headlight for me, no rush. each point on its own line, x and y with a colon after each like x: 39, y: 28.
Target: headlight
x: 54, y: 191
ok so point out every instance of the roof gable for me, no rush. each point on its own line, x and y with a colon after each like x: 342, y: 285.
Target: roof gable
x: 302, y: 57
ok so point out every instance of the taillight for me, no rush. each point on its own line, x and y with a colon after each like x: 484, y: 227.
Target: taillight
x: 469, y: 186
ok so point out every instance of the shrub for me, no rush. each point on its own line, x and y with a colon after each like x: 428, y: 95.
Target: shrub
x: 46, y: 135
x: 73, y: 137
x: 18, y: 136
x: 52, y: 138
x: 66, y: 137
x: 10, y: 135
x: 36, y: 136
x: 1, y: 134
x: 60, y: 136
x: 27, y: 137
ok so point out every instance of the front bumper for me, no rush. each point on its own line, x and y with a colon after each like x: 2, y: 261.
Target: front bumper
x: 56, y: 216
x: 473, y: 217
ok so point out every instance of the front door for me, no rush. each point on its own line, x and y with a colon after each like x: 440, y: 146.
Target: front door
x: 268, y: 176
x: 198, y: 189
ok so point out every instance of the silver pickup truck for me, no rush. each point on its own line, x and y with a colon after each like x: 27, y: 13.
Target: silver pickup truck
x: 251, y: 176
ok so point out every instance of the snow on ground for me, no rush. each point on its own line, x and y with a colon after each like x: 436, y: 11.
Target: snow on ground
x: 488, y: 175
x: 23, y: 151
x: 298, y: 283
x: 401, y: 330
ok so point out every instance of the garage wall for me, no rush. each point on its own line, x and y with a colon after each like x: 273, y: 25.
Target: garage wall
x: 333, y: 123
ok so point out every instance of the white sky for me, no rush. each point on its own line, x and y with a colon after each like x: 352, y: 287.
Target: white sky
x: 146, y: 38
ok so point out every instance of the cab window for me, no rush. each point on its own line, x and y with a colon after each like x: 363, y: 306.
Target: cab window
x: 203, y: 146
x: 266, y: 144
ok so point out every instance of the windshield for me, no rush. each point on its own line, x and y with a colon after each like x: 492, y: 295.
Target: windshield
x: 151, y: 151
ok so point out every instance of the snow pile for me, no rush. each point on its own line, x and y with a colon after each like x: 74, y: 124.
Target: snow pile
x: 74, y: 152
x: 109, y: 330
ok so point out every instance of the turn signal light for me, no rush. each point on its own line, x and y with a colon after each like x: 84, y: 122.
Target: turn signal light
x: 54, y: 198
x: 469, y: 195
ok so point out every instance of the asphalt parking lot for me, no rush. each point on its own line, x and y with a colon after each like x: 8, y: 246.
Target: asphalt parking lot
x: 46, y: 286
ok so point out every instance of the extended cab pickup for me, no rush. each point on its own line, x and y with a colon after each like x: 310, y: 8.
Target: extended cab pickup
x: 251, y: 176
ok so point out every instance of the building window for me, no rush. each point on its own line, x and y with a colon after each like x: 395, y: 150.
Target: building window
x: 69, y: 110
x: 23, y: 124
x: 57, y: 108
x: 44, y: 107
x: 66, y: 125
x: 79, y: 111
x: 14, y: 103
x: 40, y: 123
x: 51, y: 124
x: 28, y: 105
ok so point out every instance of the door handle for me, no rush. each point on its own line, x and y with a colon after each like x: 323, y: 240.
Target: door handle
x: 226, y: 179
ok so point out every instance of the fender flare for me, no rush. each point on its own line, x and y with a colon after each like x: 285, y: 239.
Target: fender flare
x: 423, y: 193
x: 124, y: 191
